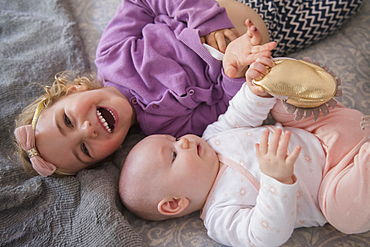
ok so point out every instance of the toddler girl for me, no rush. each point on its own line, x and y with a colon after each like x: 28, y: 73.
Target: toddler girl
x: 77, y: 123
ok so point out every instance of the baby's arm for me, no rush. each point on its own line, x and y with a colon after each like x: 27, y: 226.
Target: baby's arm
x: 245, y: 50
x: 270, y: 222
x: 273, y: 158
x: 266, y: 218
x: 245, y: 110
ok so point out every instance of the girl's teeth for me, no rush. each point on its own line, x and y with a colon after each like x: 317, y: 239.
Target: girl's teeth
x: 112, y: 114
x: 103, y: 121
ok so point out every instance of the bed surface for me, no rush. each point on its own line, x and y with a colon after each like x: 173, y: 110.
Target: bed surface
x: 39, y: 39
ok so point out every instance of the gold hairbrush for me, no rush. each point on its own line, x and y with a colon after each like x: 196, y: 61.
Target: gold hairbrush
x: 304, y: 86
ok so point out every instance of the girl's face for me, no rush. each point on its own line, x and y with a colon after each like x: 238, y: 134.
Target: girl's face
x: 83, y: 128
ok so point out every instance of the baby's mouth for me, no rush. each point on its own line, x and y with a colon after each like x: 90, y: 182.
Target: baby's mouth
x: 107, y: 118
x: 199, y: 149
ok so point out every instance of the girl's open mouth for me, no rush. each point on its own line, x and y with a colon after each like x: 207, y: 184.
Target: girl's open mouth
x: 107, y: 118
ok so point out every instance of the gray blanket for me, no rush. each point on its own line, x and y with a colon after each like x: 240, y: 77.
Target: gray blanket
x: 37, y: 40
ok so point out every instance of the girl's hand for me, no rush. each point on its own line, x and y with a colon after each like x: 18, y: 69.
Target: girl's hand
x: 273, y: 158
x: 220, y: 38
x: 245, y: 50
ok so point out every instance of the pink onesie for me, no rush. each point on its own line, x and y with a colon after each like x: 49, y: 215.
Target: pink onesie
x: 344, y: 194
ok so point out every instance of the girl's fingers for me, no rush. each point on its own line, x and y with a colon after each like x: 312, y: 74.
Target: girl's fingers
x: 249, y: 24
x: 211, y: 40
x: 253, y: 33
x: 220, y: 41
x: 202, y: 40
x: 265, y: 47
x: 249, y: 58
x: 230, y: 68
x: 231, y: 34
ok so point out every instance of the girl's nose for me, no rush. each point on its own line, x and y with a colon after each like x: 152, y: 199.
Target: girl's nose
x: 184, y: 143
x: 88, y: 129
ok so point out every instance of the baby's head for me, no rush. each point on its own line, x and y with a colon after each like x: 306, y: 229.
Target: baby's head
x: 76, y: 124
x: 164, y: 177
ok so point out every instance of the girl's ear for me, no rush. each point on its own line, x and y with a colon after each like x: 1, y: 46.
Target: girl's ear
x: 172, y: 206
x: 76, y: 88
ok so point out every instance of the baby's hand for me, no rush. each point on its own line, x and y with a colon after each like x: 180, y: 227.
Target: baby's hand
x: 245, y: 50
x: 217, y: 39
x: 256, y: 71
x: 273, y: 158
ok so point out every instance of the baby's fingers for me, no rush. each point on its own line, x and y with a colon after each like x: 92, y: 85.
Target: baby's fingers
x: 263, y: 145
x: 291, y: 159
x: 283, y: 145
x: 257, y: 145
x: 274, y: 142
x: 267, y: 61
x: 252, y: 74
x: 255, y: 89
x: 260, y: 68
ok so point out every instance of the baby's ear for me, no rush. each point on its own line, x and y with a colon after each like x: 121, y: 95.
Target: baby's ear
x: 172, y: 206
x: 76, y: 88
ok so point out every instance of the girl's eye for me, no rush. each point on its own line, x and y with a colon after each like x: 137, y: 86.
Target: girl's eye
x: 174, y: 156
x: 67, y: 121
x: 85, y: 150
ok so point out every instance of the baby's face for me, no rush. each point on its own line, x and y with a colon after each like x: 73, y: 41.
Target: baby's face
x: 83, y: 128
x: 187, y: 165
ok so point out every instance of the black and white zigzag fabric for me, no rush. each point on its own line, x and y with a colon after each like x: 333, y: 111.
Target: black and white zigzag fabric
x: 295, y: 24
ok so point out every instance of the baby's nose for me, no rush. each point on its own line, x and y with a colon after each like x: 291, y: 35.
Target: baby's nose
x: 184, y: 143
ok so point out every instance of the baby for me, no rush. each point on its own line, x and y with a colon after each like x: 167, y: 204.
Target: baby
x: 252, y: 187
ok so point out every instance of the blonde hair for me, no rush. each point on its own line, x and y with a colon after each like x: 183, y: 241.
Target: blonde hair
x: 58, y: 89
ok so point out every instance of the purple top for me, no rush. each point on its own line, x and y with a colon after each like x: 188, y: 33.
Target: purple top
x: 151, y: 52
